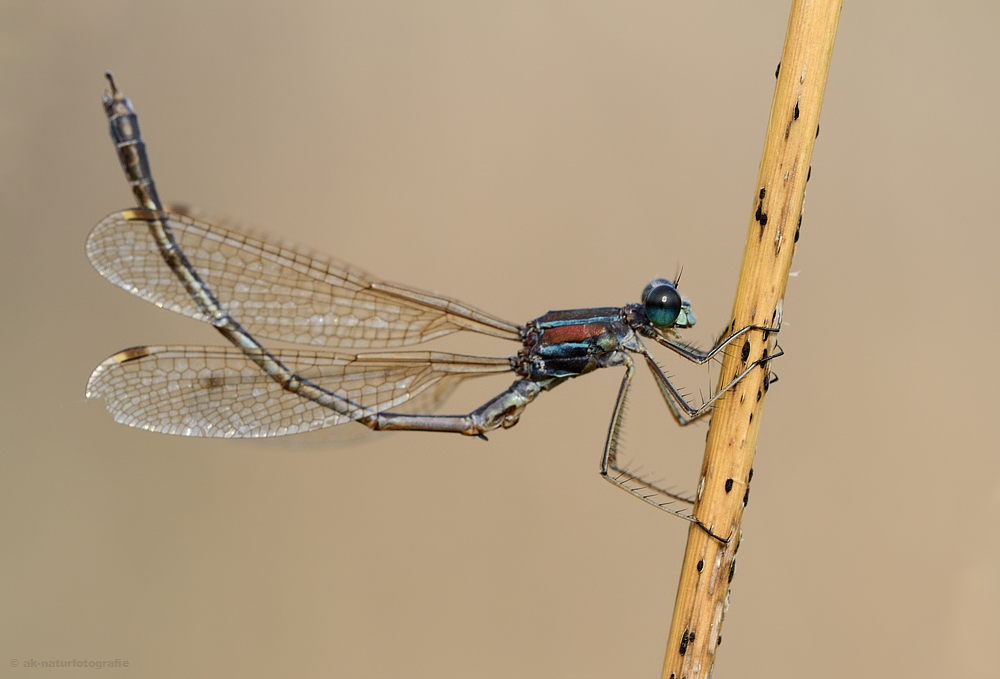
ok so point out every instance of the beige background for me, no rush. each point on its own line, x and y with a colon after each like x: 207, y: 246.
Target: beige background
x: 523, y: 157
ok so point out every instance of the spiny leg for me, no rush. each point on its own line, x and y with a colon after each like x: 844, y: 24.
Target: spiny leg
x: 677, y: 403
x: 626, y: 480
x: 671, y: 396
x: 629, y: 481
x: 697, y: 355
x: 674, y: 402
x: 675, y: 411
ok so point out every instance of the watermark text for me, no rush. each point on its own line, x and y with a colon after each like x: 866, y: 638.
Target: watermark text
x: 76, y: 663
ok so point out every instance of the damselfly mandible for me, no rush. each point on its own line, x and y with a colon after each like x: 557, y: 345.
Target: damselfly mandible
x: 284, y: 293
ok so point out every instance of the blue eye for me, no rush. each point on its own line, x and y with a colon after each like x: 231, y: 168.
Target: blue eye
x: 663, y: 306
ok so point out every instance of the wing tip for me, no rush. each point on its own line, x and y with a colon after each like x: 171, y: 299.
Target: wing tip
x: 95, y: 387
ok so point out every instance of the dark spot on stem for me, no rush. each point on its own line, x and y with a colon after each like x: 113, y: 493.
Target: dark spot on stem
x: 777, y: 70
x: 729, y: 485
x: 745, y: 354
x: 795, y: 115
x: 763, y: 192
x: 701, y: 565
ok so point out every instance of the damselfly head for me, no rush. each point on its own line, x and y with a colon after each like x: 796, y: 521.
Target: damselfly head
x: 664, y: 306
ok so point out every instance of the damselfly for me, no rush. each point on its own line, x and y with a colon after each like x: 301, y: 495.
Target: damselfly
x: 284, y: 293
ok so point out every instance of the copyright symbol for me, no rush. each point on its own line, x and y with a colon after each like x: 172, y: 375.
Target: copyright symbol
x: 13, y: 662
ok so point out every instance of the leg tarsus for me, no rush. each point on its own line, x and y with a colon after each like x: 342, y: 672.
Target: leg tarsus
x: 708, y: 530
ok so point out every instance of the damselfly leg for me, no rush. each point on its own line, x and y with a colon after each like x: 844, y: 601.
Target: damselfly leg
x: 642, y: 488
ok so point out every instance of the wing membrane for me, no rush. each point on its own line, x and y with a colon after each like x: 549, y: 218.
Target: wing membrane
x: 280, y: 292
x: 218, y: 392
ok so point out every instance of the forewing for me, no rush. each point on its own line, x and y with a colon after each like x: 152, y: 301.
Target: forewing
x: 218, y: 392
x: 278, y: 291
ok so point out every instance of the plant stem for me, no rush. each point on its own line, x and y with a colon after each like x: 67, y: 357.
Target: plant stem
x: 703, y: 590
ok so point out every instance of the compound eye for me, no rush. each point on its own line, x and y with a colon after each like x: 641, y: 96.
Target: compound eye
x: 652, y: 284
x: 663, y: 306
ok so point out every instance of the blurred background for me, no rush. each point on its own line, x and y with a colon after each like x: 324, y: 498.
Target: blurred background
x: 522, y: 157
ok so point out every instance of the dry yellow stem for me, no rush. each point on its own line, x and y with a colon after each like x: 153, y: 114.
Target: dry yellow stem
x: 703, y: 591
